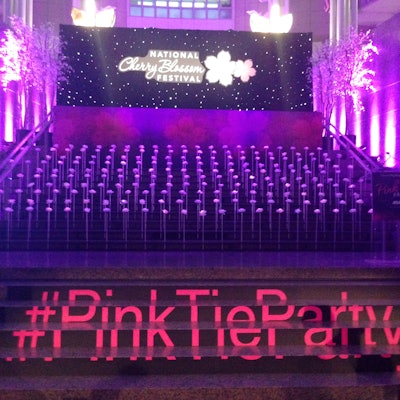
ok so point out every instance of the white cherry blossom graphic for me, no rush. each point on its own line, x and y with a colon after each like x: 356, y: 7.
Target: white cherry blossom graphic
x: 220, y: 68
x: 244, y: 70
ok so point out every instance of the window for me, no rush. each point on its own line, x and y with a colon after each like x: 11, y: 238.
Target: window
x: 198, y: 9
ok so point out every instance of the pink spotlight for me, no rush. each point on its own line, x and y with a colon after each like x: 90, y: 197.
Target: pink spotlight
x: 390, y: 136
x: 357, y: 128
x: 375, y: 139
x: 9, y: 117
x: 342, y: 116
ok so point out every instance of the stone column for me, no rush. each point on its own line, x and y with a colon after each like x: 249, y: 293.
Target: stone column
x: 354, y: 14
x: 343, y: 17
x: 29, y: 12
x: 332, y: 20
x: 21, y: 8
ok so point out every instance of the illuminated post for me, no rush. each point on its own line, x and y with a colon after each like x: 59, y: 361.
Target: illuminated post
x: 343, y: 17
x: 354, y: 14
x: 20, y: 8
x: 332, y: 20
x: 2, y: 12
x: 29, y: 13
x: 9, y: 117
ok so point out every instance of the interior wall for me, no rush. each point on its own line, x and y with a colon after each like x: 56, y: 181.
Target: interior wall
x: 56, y: 11
x: 380, y: 120
x: 309, y: 16
x: 380, y: 124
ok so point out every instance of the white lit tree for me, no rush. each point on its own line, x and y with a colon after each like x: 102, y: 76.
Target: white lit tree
x: 343, y: 70
x: 50, y: 66
x: 16, y: 69
x: 32, y: 64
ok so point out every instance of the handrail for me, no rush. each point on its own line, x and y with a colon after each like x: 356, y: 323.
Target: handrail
x: 21, y: 149
x: 367, y: 162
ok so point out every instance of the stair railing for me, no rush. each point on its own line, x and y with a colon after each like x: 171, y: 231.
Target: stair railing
x: 22, y: 148
x: 368, y: 163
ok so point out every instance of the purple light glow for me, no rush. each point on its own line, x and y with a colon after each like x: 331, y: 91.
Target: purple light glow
x: 36, y: 110
x: 9, y: 120
x: 342, y: 117
x: 390, y: 136
x: 357, y: 129
x: 374, y: 134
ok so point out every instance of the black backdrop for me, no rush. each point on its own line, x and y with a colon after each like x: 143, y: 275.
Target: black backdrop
x: 280, y: 60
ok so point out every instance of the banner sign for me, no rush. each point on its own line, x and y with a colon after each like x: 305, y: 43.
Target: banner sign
x: 150, y: 322
x: 154, y: 68
x: 386, y: 194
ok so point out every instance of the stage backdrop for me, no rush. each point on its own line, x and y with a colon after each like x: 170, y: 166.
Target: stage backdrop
x: 151, y: 68
x: 186, y: 87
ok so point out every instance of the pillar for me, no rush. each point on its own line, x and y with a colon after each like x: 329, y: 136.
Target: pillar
x: 332, y: 20
x: 21, y: 8
x: 343, y: 17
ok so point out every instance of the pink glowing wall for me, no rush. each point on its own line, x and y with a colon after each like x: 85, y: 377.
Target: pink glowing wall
x: 380, y: 122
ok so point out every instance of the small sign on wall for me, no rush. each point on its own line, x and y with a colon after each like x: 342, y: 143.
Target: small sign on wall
x: 386, y: 194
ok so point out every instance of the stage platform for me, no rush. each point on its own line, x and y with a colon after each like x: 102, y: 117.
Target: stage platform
x: 189, y: 357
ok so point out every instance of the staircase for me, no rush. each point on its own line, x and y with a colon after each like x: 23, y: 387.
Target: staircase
x: 141, y: 272
x: 207, y: 325
x: 150, y: 198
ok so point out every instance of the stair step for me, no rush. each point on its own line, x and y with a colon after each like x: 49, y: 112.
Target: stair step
x: 349, y: 386
x: 249, y: 353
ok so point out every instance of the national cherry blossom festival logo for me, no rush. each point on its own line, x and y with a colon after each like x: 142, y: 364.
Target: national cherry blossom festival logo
x: 169, y: 66
x: 223, y: 70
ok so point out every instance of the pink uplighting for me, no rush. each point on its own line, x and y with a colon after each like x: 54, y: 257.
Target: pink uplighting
x: 9, y: 126
x: 375, y: 129
x: 36, y: 111
x: 342, y: 119
x: 390, y: 138
x: 357, y: 129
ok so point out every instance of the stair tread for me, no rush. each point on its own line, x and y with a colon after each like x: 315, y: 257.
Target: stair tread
x: 214, y: 352
x: 176, y: 325
x: 192, y: 381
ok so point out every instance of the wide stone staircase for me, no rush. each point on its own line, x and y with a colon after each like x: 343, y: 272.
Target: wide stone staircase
x: 137, y: 327
x: 143, y: 271
x: 178, y: 198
